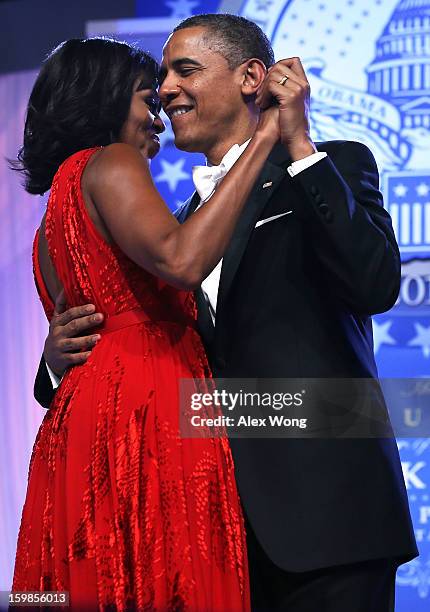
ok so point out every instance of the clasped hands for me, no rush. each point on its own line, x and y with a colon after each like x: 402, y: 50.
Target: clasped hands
x: 286, y: 84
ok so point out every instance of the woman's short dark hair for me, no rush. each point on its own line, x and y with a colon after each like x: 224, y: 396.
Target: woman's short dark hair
x: 81, y: 99
x: 237, y: 39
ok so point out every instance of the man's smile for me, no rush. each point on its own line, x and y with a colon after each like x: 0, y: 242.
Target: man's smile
x: 174, y: 111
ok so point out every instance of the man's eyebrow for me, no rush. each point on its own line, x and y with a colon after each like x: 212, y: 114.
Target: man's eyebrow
x: 177, y: 64
x: 185, y: 60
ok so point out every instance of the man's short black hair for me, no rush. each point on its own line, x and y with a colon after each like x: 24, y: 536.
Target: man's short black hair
x: 235, y: 38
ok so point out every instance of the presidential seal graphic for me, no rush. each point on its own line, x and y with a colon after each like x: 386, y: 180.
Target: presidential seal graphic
x: 369, y: 85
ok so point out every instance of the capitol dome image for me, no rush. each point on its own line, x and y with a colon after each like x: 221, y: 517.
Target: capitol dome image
x: 400, y: 71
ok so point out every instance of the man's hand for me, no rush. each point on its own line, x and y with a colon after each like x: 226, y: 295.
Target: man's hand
x: 292, y: 95
x: 66, y: 345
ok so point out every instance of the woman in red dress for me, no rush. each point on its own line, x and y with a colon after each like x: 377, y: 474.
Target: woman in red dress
x: 120, y: 511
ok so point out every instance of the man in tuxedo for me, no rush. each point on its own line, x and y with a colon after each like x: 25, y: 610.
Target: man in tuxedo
x: 312, y: 258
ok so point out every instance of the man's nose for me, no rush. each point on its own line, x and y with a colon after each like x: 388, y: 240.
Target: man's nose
x: 168, y: 90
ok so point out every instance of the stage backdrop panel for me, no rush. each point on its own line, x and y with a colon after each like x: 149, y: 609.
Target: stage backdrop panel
x: 22, y: 323
x: 368, y: 63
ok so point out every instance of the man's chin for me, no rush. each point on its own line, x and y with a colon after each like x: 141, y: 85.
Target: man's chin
x: 183, y: 142
x: 186, y: 145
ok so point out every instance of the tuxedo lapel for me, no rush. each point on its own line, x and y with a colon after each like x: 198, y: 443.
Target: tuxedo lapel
x: 272, y: 175
x: 184, y: 211
x: 204, y: 319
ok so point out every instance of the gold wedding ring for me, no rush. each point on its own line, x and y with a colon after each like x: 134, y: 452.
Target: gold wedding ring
x: 283, y: 80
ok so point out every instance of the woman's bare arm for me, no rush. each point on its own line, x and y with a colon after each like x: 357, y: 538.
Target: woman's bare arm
x: 136, y: 217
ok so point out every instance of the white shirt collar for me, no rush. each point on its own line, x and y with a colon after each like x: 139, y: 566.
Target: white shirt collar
x: 232, y: 155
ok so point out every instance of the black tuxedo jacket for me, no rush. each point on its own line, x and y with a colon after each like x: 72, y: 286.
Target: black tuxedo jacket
x: 294, y: 301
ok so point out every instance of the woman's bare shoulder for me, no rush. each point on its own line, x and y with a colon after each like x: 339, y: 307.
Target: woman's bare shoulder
x: 118, y: 155
x: 117, y: 160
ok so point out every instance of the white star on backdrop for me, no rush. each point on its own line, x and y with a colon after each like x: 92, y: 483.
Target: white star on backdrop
x: 422, y: 189
x: 400, y: 190
x: 421, y: 339
x: 182, y: 8
x: 381, y: 335
x: 172, y: 173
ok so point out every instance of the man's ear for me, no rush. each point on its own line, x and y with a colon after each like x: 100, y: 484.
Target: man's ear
x: 253, y: 74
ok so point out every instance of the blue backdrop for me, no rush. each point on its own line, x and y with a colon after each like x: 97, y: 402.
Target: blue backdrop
x: 368, y: 62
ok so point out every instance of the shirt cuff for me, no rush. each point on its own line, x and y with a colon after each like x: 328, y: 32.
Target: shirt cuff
x: 55, y: 380
x: 304, y: 163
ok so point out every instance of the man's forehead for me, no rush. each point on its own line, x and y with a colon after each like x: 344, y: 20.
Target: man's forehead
x: 187, y: 43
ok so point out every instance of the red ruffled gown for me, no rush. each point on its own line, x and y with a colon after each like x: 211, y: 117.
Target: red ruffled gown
x: 120, y: 510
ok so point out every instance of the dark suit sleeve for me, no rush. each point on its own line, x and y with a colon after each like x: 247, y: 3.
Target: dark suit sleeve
x: 43, y: 391
x: 351, y: 232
